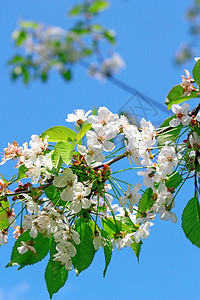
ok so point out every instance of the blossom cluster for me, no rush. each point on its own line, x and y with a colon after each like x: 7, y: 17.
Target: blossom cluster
x: 59, y: 196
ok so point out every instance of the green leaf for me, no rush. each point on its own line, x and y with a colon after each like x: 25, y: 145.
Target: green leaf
x: 196, y: 73
x: 98, y: 6
x: 21, y: 37
x: 175, y: 96
x: 4, y: 206
x: 4, y: 180
x: 170, y: 133
x: 58, y: 134
x: 145, y: 202
x: 85, y: 250
x: 29, y: 24
x: 67, y: 75
x: 83, y: 131
x: 22, y: 172
x: 76, y: 10
x: 16, y: 59
x: 55, y: 273
x: 63, y: 150
x: 137, y: 248
x: 41, y: 245
x: 44, y: 76
x: 124, y: 224
x: 174, y: 180
x: 25, y: 75
x: 110, y: 36
x: 52, y: 193
x: 191, y: 221
x: 107, y: 250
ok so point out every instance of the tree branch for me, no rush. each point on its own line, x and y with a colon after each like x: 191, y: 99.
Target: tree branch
x: 110, y: 162
x: 195, y: 111
x: 27, y: 191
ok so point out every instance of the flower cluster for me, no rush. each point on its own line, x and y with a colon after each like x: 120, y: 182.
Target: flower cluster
x: 76, y: 202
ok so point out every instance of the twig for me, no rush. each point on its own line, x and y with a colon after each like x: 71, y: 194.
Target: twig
x: 195, y: 111
x: 110, y: 162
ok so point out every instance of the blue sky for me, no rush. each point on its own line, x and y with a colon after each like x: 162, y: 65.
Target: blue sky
x: 149, y: 33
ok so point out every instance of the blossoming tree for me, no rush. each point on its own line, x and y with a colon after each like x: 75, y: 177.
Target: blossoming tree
x: 72, y: 203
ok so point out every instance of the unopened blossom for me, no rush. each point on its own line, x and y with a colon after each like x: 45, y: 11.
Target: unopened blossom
x: 133, y: 196
x: 79, y: 116
x: 142, y: 232
x: 187, y: 83
x: 3, y: 238
x: 181, y: 113
x: 25, y: 247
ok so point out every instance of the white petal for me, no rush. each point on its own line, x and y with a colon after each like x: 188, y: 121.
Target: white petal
x: 185, y: 120
x: 174, y: 122
x: 108, y: 146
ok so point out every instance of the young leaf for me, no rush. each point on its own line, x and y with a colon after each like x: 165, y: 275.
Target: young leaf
x: 196, y: 73
x: 83, y: 131
x: 85, y: 250
x: 174, y: 180
x: 76, y: 10
x: 55, y: 273
x: 59, y: 133
x: 67, y: 75
x: 110, y: 36
x: 22, y: 172
x: 191, y: 221
x: 170, y: 133
x: 124, y: 224
x: 41, y: 245
x: 137, y: 248
x: 145, y: 202
x: 29, y: 25
x: 175, y: 96
x: 98, y: 6
x: 4, y: 205
x: 63, y: 150
x: 107, y: 250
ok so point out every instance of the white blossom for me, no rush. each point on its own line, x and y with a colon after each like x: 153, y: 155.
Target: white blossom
x: 79, y: 116
x: 181, y: 115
